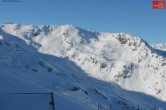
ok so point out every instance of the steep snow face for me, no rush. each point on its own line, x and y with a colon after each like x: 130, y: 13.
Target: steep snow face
x: 62, y: 58
x: 161, y: 46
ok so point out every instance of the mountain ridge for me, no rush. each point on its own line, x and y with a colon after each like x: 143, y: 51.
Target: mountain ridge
x: 119, y: 58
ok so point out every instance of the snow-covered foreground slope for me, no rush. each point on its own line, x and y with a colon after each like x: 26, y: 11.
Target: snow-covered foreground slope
x: 82, y: 68
x: 25, y: 102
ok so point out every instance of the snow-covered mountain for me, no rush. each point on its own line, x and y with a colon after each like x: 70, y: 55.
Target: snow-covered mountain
x: 161, y: 46
x: 85, y: 68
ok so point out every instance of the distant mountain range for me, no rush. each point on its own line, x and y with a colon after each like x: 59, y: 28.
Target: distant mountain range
x: 115, y: 71
x: 161, y: 46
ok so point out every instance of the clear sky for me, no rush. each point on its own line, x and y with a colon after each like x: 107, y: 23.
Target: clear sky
x: 130, y: 16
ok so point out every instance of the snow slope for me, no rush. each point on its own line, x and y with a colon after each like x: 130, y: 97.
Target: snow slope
x: 83, y: 68
x: 25, y: 101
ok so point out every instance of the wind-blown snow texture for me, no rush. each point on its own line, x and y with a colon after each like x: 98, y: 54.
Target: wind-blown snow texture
x: 83, y: 68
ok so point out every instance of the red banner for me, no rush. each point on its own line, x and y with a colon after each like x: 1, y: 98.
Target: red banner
x: 158, y: 4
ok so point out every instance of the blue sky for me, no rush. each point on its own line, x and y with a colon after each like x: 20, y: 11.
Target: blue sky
x: 130, y: 16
